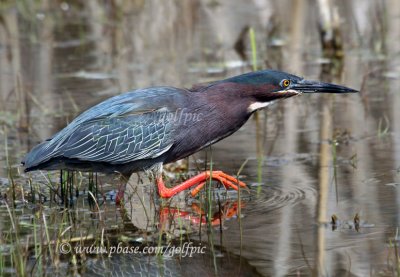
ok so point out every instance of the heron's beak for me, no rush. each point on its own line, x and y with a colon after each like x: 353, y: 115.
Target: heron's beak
x: 306, y: 86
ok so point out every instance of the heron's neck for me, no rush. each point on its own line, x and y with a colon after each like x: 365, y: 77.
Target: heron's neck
x: 242, y: 99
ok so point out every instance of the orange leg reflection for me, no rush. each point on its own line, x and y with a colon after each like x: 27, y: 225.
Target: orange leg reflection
x: 198, y: 216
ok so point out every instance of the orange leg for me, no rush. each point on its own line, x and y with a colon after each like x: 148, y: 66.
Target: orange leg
x: 197, y: 189
x: 225, y: 179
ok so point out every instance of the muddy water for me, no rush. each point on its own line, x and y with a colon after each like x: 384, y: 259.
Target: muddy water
x: 308, y: 158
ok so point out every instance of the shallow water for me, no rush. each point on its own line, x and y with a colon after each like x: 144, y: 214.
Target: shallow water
x: 308, y: 158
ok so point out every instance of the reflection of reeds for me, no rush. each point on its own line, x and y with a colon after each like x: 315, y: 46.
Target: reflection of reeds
x: 329, y: 28
x: 10, y: 175
x: 22, y: 102
x: 239, y: 205
x: 334, y: 144
x: 11, y: 24
x: 383, y: 131
x: 323, y: 176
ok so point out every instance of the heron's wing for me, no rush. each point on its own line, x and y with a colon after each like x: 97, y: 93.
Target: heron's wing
x: 120, y: 139
x: 118, y: 130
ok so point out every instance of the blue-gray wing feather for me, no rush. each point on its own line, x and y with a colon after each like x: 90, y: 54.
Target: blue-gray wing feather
x: 120, y: 139
x: 121, y: 129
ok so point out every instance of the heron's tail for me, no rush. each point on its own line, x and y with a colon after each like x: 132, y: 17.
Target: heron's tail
x: 38, y: 156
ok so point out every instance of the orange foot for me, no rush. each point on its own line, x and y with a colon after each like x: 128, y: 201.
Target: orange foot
x: 227, y: 180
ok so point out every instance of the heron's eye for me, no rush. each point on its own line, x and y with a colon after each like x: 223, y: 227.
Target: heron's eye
x: 285, y: 83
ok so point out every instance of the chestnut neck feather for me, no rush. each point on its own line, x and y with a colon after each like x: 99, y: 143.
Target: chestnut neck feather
x: 232, y: 92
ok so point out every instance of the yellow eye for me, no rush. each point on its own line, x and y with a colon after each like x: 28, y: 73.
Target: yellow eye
x: 285, y: 83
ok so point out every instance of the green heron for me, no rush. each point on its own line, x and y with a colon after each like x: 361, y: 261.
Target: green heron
x: 143, y: 129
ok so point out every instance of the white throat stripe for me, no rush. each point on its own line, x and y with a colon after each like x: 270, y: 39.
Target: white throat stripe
x: 257, y: 105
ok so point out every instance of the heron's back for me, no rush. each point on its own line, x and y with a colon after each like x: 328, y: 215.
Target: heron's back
x: 117, y: 132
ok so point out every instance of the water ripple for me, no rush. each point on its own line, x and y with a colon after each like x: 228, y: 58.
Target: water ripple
x: 275, y: 197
